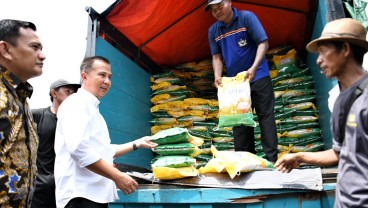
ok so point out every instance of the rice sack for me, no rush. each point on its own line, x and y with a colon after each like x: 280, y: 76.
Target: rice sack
x: 235, y: 105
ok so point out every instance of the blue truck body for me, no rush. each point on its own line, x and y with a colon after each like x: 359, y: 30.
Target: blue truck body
x: 126, y: 109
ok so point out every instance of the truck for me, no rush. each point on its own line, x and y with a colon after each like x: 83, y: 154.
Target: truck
x: 141, y: 38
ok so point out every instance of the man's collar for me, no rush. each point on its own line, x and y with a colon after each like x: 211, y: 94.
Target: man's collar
x: 15, y: 83
x: 24, y: 90
x: 9, y: 77
x: 90, y: 96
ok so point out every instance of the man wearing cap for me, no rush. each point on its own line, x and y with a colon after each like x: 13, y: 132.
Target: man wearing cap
x: 238, y: 39
x: 44, y: 195
x: 341, y: 48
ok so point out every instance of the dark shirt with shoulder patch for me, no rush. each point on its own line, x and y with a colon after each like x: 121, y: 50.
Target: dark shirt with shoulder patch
x: 352, y: 181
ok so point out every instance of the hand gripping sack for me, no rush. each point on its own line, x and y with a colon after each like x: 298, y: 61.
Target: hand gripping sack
x: 235, y: 105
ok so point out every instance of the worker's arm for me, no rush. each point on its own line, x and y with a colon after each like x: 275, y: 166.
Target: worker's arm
x: 323, y: 158
x: 143, y: 142
x: 218, y: 66
x: 261, y: 53
x: 123, y: 181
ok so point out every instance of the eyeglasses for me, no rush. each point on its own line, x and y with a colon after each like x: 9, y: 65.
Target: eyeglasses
x: 220, y: 6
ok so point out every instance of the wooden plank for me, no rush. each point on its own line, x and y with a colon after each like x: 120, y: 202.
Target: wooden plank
x: 305, y: 179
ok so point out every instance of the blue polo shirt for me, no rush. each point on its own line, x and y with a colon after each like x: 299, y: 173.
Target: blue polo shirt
x: 238, y: 42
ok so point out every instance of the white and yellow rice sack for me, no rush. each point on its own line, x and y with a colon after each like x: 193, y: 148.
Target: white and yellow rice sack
x: 235, y: 105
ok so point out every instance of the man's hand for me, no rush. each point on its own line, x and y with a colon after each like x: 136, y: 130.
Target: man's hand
x: 287, y: 162
x: 145, y: 142
x: 251, y: 72
x: 218, y: 66
x: 218, y: 81
x: 126, y: 183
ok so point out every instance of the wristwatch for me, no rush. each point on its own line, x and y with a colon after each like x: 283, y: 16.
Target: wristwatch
x: 134, y: 146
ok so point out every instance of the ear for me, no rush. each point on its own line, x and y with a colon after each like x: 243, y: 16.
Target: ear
x: 83, y: 76
x: 5, y: 51
x: 53, y: 93
x: 346, y: 49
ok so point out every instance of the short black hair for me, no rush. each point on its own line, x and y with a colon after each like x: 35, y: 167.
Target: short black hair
x: 87, y: 62
x: 10, y: 29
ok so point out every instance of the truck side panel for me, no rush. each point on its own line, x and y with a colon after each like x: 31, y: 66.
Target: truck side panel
x: 126, y: 108
x: 322, y: 85
x: 177, y: 197
x: 131, y: 92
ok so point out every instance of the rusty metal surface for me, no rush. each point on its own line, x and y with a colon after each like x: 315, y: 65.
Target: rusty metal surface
x: 306, y: 179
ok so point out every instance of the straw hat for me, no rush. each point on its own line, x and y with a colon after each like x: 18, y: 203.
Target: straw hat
x: 345, y: 29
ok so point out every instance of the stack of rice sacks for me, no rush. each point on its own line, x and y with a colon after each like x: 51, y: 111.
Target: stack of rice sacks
x: 186, y: 97
x: 296, y: 114
x: 198, y: 77
x: 176, y: 151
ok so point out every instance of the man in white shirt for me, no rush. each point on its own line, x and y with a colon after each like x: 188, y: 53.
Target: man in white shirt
x: 84, y: 171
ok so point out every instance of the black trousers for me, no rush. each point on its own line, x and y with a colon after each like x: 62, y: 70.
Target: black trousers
x: 263, y: 101
x: 84, y: 203
x: 44, y: 192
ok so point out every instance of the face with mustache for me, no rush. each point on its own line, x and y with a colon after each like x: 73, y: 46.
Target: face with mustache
x: 331, y: 60
x: 97, y: 80
x: 25, y: 56
x: 222, y: 11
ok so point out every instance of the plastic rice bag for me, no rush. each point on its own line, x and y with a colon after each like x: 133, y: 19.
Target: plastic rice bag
x: 176, y: 161
x: 213, y: 166
x: 177, y: 149
x: 237, y: 162
x: 235, y: 105
x: 171, y: 136
x: 166, y: 173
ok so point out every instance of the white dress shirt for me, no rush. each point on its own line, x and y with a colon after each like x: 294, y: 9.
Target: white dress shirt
x: 81, y: 139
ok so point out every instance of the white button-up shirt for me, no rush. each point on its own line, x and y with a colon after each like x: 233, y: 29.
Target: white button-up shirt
x: 81, y: 139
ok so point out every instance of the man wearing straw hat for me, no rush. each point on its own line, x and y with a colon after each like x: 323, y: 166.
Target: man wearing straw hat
x: 341, y: 48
